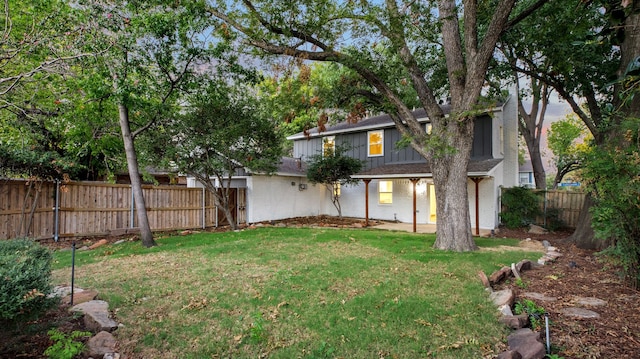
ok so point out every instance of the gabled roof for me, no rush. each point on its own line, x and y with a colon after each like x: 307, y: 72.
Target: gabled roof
x: 374, y: 122
x: 476, y: 168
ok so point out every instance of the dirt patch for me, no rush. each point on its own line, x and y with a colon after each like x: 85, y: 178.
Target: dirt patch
x: 578, y: 273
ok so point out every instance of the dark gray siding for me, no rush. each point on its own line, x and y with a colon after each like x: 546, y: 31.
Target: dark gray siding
x: 306, y: 148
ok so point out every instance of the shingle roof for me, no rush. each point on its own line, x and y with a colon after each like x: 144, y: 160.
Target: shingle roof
x: 479, y: 168
x: 292, y: 166
x: 379, y: 121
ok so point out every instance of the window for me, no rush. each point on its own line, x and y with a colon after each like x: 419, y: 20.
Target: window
x: 385, y: 192
x: 328, y: 145
x: 336, y: 190
x: 375, y: 147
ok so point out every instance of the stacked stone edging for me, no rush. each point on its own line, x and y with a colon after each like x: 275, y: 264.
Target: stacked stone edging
x: 97, y: 319
x: 523, y: 343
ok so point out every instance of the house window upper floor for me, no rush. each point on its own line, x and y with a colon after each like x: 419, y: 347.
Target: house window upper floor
x: 375, y: 143
x: 328, y: 145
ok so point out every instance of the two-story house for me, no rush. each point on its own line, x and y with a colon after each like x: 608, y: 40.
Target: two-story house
x: 391, y: 175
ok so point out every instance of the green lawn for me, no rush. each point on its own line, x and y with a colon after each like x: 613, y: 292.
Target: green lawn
x: 296, y: 293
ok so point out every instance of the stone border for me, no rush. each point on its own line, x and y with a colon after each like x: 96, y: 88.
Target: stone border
x: 523, y: 343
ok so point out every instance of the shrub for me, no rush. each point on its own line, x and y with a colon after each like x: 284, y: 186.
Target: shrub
x: 520, y: 206
x: 552, y: 219
x: 25, y: 273
x: 611, y: 177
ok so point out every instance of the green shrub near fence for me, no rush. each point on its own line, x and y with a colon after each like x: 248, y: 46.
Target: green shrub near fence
x: 25, y: 280
x: 520, y: 205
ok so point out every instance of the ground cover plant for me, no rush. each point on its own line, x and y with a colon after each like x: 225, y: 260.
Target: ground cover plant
x: 296, y: 292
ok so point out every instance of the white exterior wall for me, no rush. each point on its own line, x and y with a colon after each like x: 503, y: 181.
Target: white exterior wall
x: 274, y: 197
x: 510, y: 129
x: 353, y: 202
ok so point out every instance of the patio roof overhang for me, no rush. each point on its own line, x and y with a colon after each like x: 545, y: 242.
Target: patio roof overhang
x: 476, y: 168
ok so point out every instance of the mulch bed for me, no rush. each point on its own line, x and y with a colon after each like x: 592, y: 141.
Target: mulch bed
x: 616, y: 334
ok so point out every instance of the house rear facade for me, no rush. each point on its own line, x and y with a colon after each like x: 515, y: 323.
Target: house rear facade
x: 391, y: 174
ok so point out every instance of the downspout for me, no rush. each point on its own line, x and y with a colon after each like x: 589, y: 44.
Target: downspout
x: 366, y: 202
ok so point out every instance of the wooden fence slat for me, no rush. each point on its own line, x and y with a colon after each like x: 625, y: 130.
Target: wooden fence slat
x: 90, y: 208
x: 568, y: 203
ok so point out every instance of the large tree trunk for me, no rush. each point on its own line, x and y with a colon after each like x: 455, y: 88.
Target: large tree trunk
x: 530, y: 127
x: 584, y: 237
x: 453, y: 226
x: 134, y: 174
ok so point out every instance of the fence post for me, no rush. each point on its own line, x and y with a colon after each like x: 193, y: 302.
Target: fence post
x: 56, y: 215
x: 204, y: 207
x: 131, y: 215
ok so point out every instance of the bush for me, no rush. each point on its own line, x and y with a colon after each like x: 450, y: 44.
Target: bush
x: 520, y: 206
x: 552, y: 219
x: 611, y: 177
x: 25, y: 274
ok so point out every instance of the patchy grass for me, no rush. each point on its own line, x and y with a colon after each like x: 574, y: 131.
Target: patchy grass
x: 296, y: 293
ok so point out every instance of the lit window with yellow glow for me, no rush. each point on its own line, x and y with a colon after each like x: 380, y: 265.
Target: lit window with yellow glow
x: 328, y: 145
x: 385, y: 192
x: 336, y: 190
x: 375, y: 140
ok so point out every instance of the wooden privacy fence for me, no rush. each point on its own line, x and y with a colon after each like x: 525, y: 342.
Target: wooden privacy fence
x: 28, y: 208
x: 565, y: 204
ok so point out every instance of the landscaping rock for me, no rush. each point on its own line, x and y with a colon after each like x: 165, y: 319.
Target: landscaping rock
x: 510, y: 354
x: 484, y: 279
x: 533, y: 229
x: 80, y: 297
x: 101, y: 344
x: 580, y: 313
x: 500, y: 275
x: 502, y: 297
x: 63, y: 291
x: 505, y: 310
x: 96, y: 316
x: 111, y: 356
x: 523, y: 265
x: 590, y: 301
x: 515, y: 321
x: 539, y: 296
x: 528, y: 343
x: 99, y: 243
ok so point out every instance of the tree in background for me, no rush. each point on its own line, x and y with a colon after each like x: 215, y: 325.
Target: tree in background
x: 569, y: 142
x: 333, y: 168
x: 580, y: 49
x: 149, y: 53
x: 223, y: 133
x: 392, y: 49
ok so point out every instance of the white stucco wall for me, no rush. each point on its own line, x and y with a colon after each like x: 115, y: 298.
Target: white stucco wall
x: 274, y: 197
x: 510, y: 124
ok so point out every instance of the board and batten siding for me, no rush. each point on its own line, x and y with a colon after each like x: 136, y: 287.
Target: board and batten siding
x: 358, y: 143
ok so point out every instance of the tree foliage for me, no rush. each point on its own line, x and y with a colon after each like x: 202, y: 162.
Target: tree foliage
x: 223, y: 133
x: 612, y: 178
x: 333, y: 168
x: 398, y: 49
x: 569, y: 141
